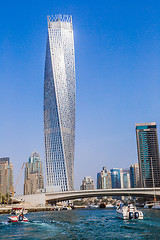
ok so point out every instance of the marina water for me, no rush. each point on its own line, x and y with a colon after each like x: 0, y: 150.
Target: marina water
x: 82, y: 224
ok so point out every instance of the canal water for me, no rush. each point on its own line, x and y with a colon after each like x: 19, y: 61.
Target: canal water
x: 82, y: 224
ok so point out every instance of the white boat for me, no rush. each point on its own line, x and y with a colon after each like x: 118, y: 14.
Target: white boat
x: 56, y: 208
x: 17, y: 215
x: 156, y: 206
x: 66, y: 208
x: 109, y: 205
x: 148, y: 205
x: 92, y: 206
x: 128, y: 212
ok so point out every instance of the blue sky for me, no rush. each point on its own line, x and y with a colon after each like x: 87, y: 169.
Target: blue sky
x: 117, y: 46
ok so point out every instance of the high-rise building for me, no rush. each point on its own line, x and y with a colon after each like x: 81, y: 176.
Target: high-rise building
x: 87, y: 184
x: 125, y: 178
x: 148, y: 154
x: 34, y: 179
x: 104, y: 179
x: 6, y: 176
x: 59, y: 104
x: 134, y: 176
x: 116, y: 177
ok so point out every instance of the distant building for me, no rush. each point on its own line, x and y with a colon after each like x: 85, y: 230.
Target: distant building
x: 116, y: 177
x: 87, y: 184
x: 125, y: 178
x: 34, y: 179
x: 134, y: 176
x: 6, y: 176
x: 104, y: 179
x: 148, y: 154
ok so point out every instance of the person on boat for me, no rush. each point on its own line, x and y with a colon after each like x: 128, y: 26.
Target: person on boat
x: 14, y: 212
x: 21, y: 217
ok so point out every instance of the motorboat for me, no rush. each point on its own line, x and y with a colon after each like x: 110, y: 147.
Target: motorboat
x: 128, y: 212
x: 156, y: 205
x: 109, y: 205
x: 102, y: 205
x: 92, y: 206
x: 66, y: 208
x: 148, y: 205
x: 152, y: 204
x: 56, y: 208
x: 17, y: 215
x: 62, y: 207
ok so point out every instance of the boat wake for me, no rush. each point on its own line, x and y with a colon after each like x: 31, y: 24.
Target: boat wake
x: 4, y: 223
x: 43, y: 223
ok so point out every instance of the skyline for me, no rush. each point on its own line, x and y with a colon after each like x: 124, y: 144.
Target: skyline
x: 117, y: 70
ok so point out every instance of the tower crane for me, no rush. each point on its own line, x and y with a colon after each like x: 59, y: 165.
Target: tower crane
x: 13, y: 189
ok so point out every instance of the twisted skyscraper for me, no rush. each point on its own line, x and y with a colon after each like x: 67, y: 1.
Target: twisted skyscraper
x: 59, y: 104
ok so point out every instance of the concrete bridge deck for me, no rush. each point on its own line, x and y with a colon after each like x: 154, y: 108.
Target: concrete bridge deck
x: 53, y: 197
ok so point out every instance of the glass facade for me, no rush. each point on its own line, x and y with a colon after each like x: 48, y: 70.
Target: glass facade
x: 134, y: 175
x: 104, y: 179
x: 59, y: 104
x: 126, y: 180
x: 116, y: 177
x: 148, y: 154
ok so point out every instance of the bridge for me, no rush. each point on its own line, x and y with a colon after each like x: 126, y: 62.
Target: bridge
x: 71, y: 195
x: 53, y: 197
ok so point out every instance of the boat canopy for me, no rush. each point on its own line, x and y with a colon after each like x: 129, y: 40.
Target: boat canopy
x: 17, y: 208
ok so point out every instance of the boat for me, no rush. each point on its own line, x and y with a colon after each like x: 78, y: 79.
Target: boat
x: 102, y: 205
x: 92, y: 206
x: 156, y: 205
x: 128, y: 212
x: 109, y: 206
x: 66, y: 208
x: 17, y: 215
x: 148, y: 205
x: 56, y: 208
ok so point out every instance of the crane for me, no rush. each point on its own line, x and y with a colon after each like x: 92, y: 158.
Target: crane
x: 13, y: 189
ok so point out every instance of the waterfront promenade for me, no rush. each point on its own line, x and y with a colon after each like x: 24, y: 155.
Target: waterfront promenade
x: 6, y: 209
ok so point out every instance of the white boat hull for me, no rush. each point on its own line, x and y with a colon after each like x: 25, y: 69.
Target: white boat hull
x: 120, y: 215
x: 16, y: 219
x: 125, y: 212
x: 156, y: 206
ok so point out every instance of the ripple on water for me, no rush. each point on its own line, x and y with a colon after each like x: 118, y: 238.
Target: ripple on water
x: 80, y: 224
